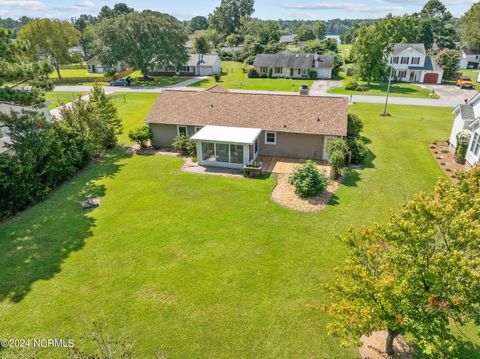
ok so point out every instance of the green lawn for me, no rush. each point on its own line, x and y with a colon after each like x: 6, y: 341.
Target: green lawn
x: 234, y: 78
x: 345, y: 50
x: 199, y: 266
x: 158, y: 80
x: 397, y: 89
x: 132, y: 107
x: 73, y: 73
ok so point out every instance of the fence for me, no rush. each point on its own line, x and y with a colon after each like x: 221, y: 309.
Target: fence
x: 73, y: 67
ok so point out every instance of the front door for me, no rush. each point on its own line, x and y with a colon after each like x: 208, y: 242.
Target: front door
x: 291, y: 72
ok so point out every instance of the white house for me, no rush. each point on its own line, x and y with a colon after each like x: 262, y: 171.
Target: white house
x: 287, y: 64
x: 411, y: 63
x: 95, y: 66
x: 469, y: 59
x: 467, y: 117
x: 204, y: 65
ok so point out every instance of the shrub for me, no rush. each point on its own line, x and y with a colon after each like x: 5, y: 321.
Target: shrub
x: 270, y: 72
x: 141, y: 135
x: 307, y: 180
x: 263, y: 75
x: 355, y: 125
x: 185, y: 146
x: 463, y: 139
x: 338, y: 151
x: 358, y: 150
x: 252, y: 73
x: 312, y: 75
x: 217, y: 77
x: 353, y: 85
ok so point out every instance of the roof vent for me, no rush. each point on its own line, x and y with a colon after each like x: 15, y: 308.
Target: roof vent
x: 211, y: 105
x: 308, y: 55
x: 296, y: 55
x: 318, y: 120
x: 284, y: 126
x: 304, y: 90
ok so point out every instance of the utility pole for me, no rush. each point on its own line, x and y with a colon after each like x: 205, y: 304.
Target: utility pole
x: 388, y: 91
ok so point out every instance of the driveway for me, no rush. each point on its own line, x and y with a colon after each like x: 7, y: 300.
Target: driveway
x: 451, y: 92
x: 325, y: 85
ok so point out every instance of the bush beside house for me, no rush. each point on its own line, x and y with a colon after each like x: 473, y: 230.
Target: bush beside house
x: 308, y: 181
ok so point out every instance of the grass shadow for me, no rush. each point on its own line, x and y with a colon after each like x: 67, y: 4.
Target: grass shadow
x: 36, y: 242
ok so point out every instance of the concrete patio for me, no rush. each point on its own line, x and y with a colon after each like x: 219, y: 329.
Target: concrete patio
x: 286, y: 165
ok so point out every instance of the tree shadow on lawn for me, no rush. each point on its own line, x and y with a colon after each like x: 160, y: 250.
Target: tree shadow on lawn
x: 37, y: 242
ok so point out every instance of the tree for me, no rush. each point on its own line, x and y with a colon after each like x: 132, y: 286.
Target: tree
x: 141, y: 136
x: 197, y: 23
x: 304, y: 33
x: 417, y: 274
x: 448, y: 60
x: 118, y: 9
x: 146, y: 40
x: 442, y: 27
x: 354, y: 125
x: 338, y: 151
x: 15, y: 70
x: 368, y: 52
x: 50, y: 39
x: 85, y: 24
x: 227, y: 17
x: 263, y: 31
x: 201, y: 44
x: 468, y: 27
x: 320, y: 30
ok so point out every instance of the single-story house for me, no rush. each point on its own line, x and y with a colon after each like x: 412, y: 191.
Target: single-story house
x: 197, y: 65
x: 467, y: 118
x: 469, y: 59
x: 95, y: 66
x: 231, y: 129
x: 287, y: 64
x: 288, y: 39
x: 410, y: 63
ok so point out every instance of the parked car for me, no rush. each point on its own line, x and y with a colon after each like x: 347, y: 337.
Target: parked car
x: 121, y: 82
x: 465, y: 82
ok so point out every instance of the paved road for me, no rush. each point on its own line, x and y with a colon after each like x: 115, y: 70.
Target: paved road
x: 448, y: 98
x: 451, y: 92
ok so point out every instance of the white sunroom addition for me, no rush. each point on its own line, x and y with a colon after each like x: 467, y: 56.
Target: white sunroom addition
x: 222, y: 146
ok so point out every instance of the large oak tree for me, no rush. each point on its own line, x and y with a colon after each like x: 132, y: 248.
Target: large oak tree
x: 469, y: 27
x: 145, y: 40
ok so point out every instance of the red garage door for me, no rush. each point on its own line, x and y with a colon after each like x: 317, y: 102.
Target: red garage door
x: 430, y: 78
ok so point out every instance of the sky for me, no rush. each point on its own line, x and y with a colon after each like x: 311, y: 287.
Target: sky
x: 264, y: 9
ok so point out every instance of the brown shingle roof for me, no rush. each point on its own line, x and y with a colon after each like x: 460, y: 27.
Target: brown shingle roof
x: 283, y: 113
x: 216, y: 88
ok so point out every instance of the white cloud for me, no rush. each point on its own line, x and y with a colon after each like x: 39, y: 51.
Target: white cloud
x: 346, y: 6
x: 86, y: 4
x: 27, y: 5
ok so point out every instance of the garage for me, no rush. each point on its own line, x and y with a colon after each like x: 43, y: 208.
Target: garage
x: 430, y: 78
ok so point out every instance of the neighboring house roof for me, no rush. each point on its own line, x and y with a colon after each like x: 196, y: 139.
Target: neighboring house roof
x: 284, y: 113
x: 94, y: 61
x: 467, y: 112
x: 202, y: 60
x: 287, y: 38
x: 430, y: 65
x: 399, y: 48
x: 470, y: 52
x: 293, y: 61
x: 232, y: 48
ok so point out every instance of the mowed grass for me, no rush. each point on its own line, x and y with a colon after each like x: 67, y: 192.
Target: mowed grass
x: 397, y: 89
x: 234, y: 78
x: 161, y: 81
x: 132, y: 107
x: 199, y: 266
x: 66, y: 73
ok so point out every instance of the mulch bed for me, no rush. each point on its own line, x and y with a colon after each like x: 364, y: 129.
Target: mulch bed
x: 441, y: 153
x: 284, y: 194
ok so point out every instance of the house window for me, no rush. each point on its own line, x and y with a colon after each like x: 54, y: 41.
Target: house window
x: 198, y: 128
x: 394, y: 60
x: 182, y: 131
x: 475, y: 147
x: 236, y: 153
x: 221, y: 152
x: 415, y: 60
x: 402, y: 74
x: 278, y: 70
x: 271, y: 138
x: 263, y: 69
x: 404, y: 60
x: 299, y: 71
x: 208, y: 151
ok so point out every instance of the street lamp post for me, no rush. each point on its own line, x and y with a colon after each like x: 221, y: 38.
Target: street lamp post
x: 388, y: 91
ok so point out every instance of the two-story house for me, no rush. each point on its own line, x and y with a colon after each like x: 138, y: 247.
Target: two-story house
x: 290, y: 65
x: 469, y: 59
x: 410, y: 63
x: 467, y: 117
